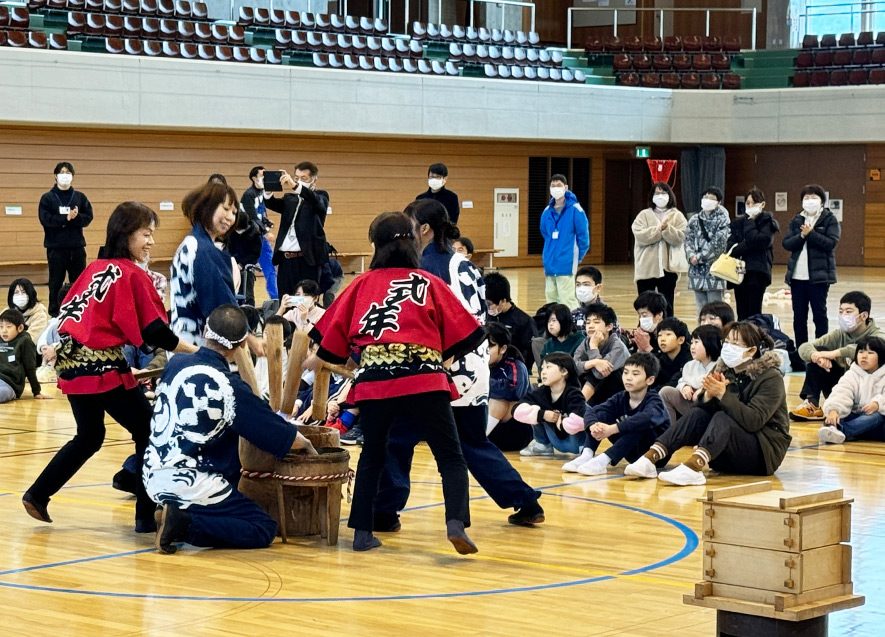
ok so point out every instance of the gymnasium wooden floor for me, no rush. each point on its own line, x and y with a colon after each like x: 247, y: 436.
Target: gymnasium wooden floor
x: 614, y: 557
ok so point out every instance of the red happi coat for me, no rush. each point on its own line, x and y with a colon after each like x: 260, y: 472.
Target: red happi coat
x: 393, y: 307
x: 109, y: 305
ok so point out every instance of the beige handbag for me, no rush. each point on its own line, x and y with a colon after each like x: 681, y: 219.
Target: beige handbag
x: 729, y: 268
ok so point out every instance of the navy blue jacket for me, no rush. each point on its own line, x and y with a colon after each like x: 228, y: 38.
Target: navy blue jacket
x: 650, y: 414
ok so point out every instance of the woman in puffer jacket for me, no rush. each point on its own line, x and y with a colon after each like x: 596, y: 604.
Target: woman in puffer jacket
x: 705, y: 240
x: 855, y: 410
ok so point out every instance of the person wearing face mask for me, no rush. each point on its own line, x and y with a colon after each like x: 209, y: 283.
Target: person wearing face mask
x: 704, y: 242
x: 300, y: 250
x: 437, y: 177
x: 302, y: 308
x: 811, y: 238
x: 23, y: 297
x: 566, y: 235
x: 741, y: 425
x: 63, y: 213
x: 751, y: 239
x: 828, y: 358
x: 588, y: 286
x: 253, y: 205
x: 658, y: 252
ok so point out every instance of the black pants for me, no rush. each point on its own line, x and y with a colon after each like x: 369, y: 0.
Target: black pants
x: 484, y: 460
x: 291, y: 272
x: 748, y: 295
x: 128, y: 407
x: 604, y: 388
x: 815, y: 295
x: 511, y: 435
x: 431, y: 412
x: 732, y: 448
x: 63, y: 262
x: 247, y: 284
x: 630, y: 445
x: 666, y: 285
x: 820, y: 381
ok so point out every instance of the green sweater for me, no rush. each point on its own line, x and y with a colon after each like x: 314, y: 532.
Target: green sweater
x: 843, y: 341
x: 568, y: 346
x: 18, y: 361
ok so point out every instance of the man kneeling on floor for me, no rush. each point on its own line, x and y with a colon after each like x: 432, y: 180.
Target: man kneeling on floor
x: 191, y: 465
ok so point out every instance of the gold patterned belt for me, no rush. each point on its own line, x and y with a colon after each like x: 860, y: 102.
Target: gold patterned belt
x: 386, y: 354
x: 73, y: 359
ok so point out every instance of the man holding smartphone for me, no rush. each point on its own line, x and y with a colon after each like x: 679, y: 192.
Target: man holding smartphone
x: 300, y: 249
x: 252, y: 203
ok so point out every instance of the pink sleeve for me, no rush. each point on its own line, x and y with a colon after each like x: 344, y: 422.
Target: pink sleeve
x: 573, y: 424
x: 527, y: 413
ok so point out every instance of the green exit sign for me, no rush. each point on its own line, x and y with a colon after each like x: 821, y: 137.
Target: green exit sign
x: 642, y: 152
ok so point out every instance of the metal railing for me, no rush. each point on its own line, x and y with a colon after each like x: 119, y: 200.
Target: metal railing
x: 512, y: 3
x: 865, y: 9
x: 661, y: 13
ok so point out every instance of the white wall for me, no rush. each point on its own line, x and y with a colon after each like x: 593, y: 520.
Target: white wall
x: 87, y: 89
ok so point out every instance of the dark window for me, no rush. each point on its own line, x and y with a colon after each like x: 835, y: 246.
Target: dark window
x: 575, y: 169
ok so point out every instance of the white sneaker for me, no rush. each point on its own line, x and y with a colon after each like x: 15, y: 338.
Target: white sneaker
x: 535, y: 448
x: 642, y: 468
x: 683, y: 476
x: 830, y: 435
x: 594, y: 467
x: 572, y: 465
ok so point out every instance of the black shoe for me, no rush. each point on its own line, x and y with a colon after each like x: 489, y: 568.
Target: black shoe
x: 353, y: 437
x: 529, y: 515
x: 174, y: 526
x: 386, y: 523
x: 458, y: 537
x: 124, y: 481
x: 365, y: 541
x: 35, y: 509
x: 145, y: 526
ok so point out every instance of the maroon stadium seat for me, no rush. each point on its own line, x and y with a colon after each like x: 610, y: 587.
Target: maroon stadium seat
x: 710, y: 81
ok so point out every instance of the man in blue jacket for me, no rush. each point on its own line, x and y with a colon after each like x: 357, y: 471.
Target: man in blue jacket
x: 566, y: 240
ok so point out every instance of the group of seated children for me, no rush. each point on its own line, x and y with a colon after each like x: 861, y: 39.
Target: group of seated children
x: 21, y: 326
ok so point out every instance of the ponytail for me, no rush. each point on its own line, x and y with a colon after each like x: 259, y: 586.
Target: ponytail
x: 434, y: 214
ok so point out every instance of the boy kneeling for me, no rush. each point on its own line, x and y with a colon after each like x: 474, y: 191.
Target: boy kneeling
x: 191, y: 466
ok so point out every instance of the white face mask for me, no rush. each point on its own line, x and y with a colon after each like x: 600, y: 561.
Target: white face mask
x: 493, y: 311
x: 733, y: 355
x: 811, y: 206
x: 557, y: 192
x: 752, y: 211
x: 847, y: 322
x: 305, y: 184
x: 647, y: 323
x: 661, y: 200
x: 709, y: 205
x: 586, y: 293
x: 64, y: 179
x: 20, y: 301
x: 259, y: 183
x: 435, y: 184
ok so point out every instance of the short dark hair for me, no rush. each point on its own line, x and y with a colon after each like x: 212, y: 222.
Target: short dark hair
x: 393, y: 235
x: 663, y: 185
x: 467, y: 243
x: 308, y: 166
x: 710, y: 337
x: 128, y: 217
x: 813, y: 189
x: 719, y: 309
x: 559, y: 177
x: 566, y: 363
x: 497, y: 287
x: 12, y: 316
x: 438, y: 169
x: 647, y: 361
x: 872, y: 343
x: 499, y: 334
x: 861, y: 301
x: 254, y: 172
x: 602, y: 311
x: 564, y: 317
x: 28, y: 288
x: 199, y: 205
x: 228, y: 321
x: 309, y: 287
x: 591, y: 271
x: 218, y: 177
x: 673, y: 324
x: 654, y: 302
x: 757, y: 195
x: 63, y: 164
x: 716, y: 192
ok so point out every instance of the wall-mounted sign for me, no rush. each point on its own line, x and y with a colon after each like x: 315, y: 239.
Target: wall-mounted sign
x: 167, y: 205
x: 642, y: 152
x: 780, y: 202
x: 13, y: 210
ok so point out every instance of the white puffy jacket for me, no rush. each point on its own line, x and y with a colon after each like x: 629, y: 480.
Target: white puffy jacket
x: 856, y: 389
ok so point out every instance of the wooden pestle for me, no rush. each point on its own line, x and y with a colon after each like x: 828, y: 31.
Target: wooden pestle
x: 274, y: 351
x: 297, y: 354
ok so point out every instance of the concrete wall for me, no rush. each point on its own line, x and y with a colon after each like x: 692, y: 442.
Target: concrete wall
x: 97, y: 90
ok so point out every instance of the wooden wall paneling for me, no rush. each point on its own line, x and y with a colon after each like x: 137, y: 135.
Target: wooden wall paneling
x: 874, y: 221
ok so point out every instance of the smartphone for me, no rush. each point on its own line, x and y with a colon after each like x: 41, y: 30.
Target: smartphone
x: 272, y: 180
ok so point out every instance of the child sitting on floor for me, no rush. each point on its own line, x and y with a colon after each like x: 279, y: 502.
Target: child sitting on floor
x: 855, y: 408
x: 551, y: 406
x: 23, y: 297
x: 601, y: 355
x: 651, y: 308
x: 508, y: 384
x: 18, y: 358
x: 706, y: 344
x: 632, y: 420
x: 672, y: 334
x: 718, y: 313
x: 562, y: 335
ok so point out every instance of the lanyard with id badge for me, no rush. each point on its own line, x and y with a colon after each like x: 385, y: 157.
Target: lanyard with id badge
x: 64, y: 209
x: 556, y: 220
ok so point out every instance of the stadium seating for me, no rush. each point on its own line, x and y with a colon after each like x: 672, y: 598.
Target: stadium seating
x: 843, y: 61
